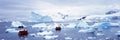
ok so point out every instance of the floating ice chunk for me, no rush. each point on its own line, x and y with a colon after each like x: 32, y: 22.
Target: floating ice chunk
x: 17, y: 23
x: 0, y: 21
x: 114, y: 24
x: 99, y: 34
x: 118, y: 33
x: 12, y: 30
x: 34, y: 35
x: 51, y: 37
x: 41, y: 33
x: 82, y: 24
x: 43, y: 26
x: 91, y: 37
x: 45, y: 33
x: 86, y: 30
x: 2, y: 39
x: 82, y: 30
x: 68, y: 38
x: 71, y: 25
x: 104, y: 25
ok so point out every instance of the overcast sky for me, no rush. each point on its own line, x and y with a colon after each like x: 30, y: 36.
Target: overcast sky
x: 23, y: 8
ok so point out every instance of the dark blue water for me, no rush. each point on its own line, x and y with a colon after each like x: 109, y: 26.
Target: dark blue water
x: 69, y: 32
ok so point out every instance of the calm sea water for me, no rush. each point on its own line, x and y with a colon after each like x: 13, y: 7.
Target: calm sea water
x: 65, y: 32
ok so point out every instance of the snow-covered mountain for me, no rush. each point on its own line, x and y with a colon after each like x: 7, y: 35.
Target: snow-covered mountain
x: 113, y: 11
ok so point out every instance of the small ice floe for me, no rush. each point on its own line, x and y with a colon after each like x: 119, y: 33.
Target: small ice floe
x: 41, y: 26
x: 68, y: 38
x: 83, y: 30
x: 2, y: 39
x: 86, y: 30
x: 91, y: 37
x: 103, y: 25
x: 115, y: 24
x: 12, y: 30
x: 72, y: 25
x: 118, y: 33
x: 44, y: 33
x: 0, y: 21
x: 99, y: 34
x: 109, y: 38
x: 33, y: 35
x: 50, y: 37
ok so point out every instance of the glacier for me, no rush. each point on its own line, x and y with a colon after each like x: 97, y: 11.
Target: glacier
x: 39, y: 18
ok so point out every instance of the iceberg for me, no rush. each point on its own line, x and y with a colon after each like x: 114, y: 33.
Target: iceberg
x: 104, y: 25
x: 16, y: 24
x: 82, y: 24
x: 39, y: 18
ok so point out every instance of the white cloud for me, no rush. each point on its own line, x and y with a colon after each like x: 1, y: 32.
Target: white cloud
x: 51, y: 7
